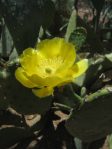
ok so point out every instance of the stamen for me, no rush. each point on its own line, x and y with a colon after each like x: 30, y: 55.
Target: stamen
x: 48, y: 67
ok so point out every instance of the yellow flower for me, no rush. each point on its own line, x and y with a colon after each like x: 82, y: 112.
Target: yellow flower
x: 49, y: 65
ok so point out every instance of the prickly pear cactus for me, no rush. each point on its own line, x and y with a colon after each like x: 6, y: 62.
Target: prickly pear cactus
x: 79, y: 109
x: 24, y: 18
x: 22, y: 100
x: 93, y: 120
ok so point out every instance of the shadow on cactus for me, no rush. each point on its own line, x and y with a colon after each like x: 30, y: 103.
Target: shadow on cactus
x: 54, y: 89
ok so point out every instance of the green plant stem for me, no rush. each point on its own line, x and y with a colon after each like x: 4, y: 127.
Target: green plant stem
x: 99, y: 93
x: 62, y: 106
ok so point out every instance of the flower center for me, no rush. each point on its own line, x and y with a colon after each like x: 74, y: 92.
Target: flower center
x: 48, y: 70
x: 48, y: 67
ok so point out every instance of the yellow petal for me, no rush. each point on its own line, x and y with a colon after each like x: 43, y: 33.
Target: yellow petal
x: 22, y: 78
x: 50, y: 47
x: 27, y: 51
x: 78, y: 69
x: 58, y: 47
x: 48, y: 81
x: 65, y: 82
x: 46, y: 91
x: 30, y: 60
x: 53, y: 81
x: 39, y: 81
